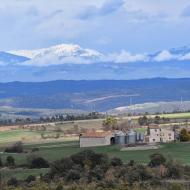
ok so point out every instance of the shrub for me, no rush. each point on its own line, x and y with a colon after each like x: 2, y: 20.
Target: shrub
x: 12, y: 182
x: 61, y: 167
x: 35, y: 149
x: 30, y: 178
x: 16, y: 148
x: 59, y: 187
x: 1, y: 163
x: 116, y: 161
x: 90, y: 158
x: 73, y: 175
x: 39, y: 162
x: 10, y: 161
x: 156, y: 160
x: 184, y: 135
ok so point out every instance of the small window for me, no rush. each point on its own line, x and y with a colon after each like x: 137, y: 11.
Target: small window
x: 153, y: 140
x: 160, y: 129
x: 155, y: 130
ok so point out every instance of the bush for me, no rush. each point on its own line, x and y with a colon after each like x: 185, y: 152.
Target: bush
x: 184, y: 135
x: 116, y: 161
x: 39, y: 162
x: 157, y: 160
x: 30, y: 178
x: 12, y: 182
x: 10, y: 161
x: 16, y: 148
x: 61, y: 167
x: 59, y: 187
x: 35, y: 150
x: 1, y: 163
x: 73, y: 175
x: 90, y: 158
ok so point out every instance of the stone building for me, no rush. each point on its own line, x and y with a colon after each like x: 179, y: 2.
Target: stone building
x: 155, y: 134
x: 91, y: 139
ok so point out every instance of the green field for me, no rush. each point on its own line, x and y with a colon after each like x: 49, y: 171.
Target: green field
x: 54, y: 151
x: 185, y: 115
x: 21, y: 173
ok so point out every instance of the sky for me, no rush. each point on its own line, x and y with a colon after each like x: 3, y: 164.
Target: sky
x: 138, y: 26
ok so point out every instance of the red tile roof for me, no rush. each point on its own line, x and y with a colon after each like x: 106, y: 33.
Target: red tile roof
x: 97, y: 134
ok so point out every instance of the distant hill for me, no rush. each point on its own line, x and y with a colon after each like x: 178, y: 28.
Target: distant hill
x: 99, y: 95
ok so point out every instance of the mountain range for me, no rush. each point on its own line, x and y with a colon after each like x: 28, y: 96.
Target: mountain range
x: 101, y: 95
x: 72, y: 62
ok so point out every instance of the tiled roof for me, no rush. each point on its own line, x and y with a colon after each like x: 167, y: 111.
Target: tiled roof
x: 154, y: 127
x: 97, y: 134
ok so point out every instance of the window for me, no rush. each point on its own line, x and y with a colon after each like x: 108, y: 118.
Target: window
x: 153, y: 140
x: 155, y: 130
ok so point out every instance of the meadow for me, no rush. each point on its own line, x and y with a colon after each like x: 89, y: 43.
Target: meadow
x: 54, y: 149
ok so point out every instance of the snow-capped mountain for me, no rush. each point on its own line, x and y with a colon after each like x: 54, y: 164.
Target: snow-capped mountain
x: 68, y: 61
x: 179, y: 54
x: 72, y: 54
x: 62, y: 50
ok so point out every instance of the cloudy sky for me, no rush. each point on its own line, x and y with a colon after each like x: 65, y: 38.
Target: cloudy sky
x: 105, y: 25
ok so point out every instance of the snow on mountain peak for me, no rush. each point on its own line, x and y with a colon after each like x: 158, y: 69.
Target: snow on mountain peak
x: 61, y: 50
x: 75, y: 54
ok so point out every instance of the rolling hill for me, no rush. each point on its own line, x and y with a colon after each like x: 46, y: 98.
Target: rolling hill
x: 100, y: 95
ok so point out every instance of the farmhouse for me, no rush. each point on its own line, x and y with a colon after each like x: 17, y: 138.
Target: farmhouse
x: 155, y: 134
x: 105, y: 138
x: 91, y: 139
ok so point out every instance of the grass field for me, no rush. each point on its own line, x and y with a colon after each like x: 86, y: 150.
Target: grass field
x: 185, y: 115
x: 31, y: 136
x: 58, y: 150
x: 21, y: 173
x: 54, y: 151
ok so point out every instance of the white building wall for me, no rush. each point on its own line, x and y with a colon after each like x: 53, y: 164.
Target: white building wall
x: 161, y: 135
x: 94, y: 141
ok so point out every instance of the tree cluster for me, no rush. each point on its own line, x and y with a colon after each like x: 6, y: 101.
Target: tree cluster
x: 88, y: 170
x: 184, y: 135
x: 144, y: 120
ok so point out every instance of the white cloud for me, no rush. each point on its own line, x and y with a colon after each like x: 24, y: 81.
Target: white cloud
x: 124, y: 57
x: 165, y: 55
x: 185, y: 57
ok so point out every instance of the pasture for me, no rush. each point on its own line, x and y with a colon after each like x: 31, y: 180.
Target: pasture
x: 185, y: 115
x: 53, y: 149
x: 10, y: 135
x: 58, y: 150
